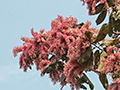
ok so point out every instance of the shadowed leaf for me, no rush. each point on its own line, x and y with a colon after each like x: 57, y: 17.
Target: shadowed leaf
x: 102, y: 33
x: 63, y: 78
x: 84, y: 79
x: 111, y: 2
x: 97, y: 58
x: 98, y: 9
x: 101, y: 16
x: 88, y: 63
x: 50, y: 67
x: 88, y: 35
x: 118, y: 45
x: 110, y: 25
x: 103, y: 54
x: 110, y: 42
x: 80, y: 25
x: 86, y: 55
x: 80, y: 82
x: 103, y: 80
x: 47, y: 69
x: 82, y: 86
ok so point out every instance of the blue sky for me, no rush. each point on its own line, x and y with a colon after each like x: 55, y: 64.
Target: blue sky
x: 17, y: 17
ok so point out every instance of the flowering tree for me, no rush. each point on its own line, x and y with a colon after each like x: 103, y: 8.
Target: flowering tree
x: 70, y: 48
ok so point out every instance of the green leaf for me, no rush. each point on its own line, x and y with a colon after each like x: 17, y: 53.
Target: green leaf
x: 88, y: 35
x: 86, y: 55
x: 97, y: 58
x: 101, y: 16
x: 80, y: 83
x: 98, y: 9
x: 110, y: 31
x: 100, y: 66
x: 47, y: 69
x: 118, y: 45
x: 109, y: 42
x: 117, y: 26
x: 80, y: 25
x: 88, y: 63
x: 84, y: 79
x: 50, y: 67
x: 102, y: 33
x: 83, y: 87
x: 111, y: 2
x: 103, y: 80
x: 63, y: 78
x: 103, y: 54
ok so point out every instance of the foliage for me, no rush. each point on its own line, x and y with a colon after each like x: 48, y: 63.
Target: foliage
x: 69, y: 48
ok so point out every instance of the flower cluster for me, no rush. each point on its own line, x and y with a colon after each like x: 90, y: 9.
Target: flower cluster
x: 65, y: 41
x: 112, y: 66
x: 114, y: 86
x: 111, y: 63
x: 91, y: 4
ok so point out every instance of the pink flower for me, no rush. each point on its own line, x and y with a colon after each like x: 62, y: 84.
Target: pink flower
x: 57, y: 76
x: 26, y: 39
x: 72, y: 69
x: 91, y: 4
x: 112, y: 59
x: 65, y: 41
x: 112, y: 66
x: 16, y: 50
x: 114, y: 86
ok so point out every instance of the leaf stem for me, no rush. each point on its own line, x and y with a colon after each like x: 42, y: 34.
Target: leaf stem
x: 97, y: 72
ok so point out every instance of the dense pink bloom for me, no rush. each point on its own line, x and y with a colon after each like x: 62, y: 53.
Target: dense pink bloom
x: 114, y: 86
x: 72, y: 69
x: 113, y: 57
x: 112, y: 66
x: 91, y: 4
x: 16, y: 50
x: 64, y: 39
x: 57, y: 76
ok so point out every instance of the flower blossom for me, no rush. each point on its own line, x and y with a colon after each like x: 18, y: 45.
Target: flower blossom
x: 91, y: 4
x: 112, y: 66
x: 114, y: 86
x: 58, y: 76
x: 112, y: 61
x: 64, y: 40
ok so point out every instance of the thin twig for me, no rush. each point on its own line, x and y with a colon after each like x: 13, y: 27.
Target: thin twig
x: 98, y: 47
x: 62, y: 87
